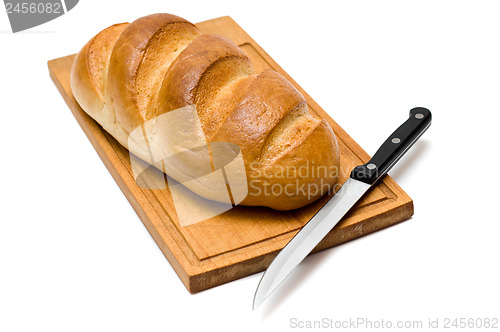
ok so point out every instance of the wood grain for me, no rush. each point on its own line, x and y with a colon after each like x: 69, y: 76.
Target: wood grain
x: 243, y: 240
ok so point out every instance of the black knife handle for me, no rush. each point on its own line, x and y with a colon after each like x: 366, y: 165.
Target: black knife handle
x: 394, y: 147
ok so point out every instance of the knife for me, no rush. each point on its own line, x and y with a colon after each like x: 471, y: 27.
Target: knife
x: 361, y: 179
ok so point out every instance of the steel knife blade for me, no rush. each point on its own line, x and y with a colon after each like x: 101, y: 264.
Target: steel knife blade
x: 361, y: 179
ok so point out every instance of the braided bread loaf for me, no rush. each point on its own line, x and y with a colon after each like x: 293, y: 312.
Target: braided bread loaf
x: 129, y: 74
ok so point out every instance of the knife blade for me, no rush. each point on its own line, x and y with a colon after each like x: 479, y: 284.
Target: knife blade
x: 361, y: 179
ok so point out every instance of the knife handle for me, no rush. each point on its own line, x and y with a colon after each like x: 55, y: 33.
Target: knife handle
x: 394, y: 147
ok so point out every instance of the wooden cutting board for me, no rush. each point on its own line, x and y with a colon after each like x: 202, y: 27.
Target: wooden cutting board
x: 243, y: 240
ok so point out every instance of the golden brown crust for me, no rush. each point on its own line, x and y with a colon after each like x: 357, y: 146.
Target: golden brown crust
x: 184, y: 78
x: 307, y: 170
x: 265, y: 102
x: 133, y: 55
x: 131, y: 73
x: 90, y: 69
x: 214, y: 112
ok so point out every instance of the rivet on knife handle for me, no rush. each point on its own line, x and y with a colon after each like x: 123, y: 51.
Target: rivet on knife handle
x: 394, y: 147
x: 362, y: 178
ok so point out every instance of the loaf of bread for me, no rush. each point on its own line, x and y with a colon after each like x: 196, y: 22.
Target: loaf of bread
x: 128, y: 75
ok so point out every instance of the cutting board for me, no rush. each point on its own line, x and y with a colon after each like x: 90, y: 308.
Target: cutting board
x: 243, y: 240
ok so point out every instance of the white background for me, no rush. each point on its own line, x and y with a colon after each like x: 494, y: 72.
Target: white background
x: 74, y: 256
